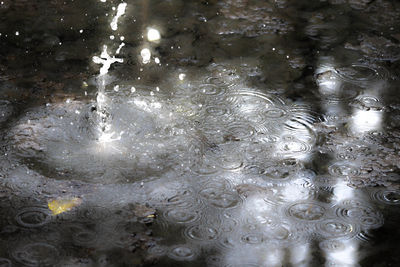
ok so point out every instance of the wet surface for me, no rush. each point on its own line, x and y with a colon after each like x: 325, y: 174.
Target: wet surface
x: 199, y: 133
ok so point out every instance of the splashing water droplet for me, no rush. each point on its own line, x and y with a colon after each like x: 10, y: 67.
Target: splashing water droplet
x: 120, y: 12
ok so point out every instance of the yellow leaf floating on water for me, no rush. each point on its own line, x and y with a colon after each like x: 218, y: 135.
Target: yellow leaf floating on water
x: 58, y: 206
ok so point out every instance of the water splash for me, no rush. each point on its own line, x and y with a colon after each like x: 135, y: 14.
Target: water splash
x: 106, y: 134
x: 120, y: 12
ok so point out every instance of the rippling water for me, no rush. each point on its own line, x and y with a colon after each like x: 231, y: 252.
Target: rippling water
x: 199, y: 133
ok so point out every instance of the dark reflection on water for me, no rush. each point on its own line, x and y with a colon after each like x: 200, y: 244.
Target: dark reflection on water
x: 199, y: 133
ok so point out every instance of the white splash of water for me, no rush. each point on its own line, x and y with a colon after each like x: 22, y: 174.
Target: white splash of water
x: 181, y: 76
x: 120, y: 12
x: 106, y: 60
x: 120, y: 47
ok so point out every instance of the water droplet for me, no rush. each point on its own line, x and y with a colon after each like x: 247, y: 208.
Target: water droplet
x: 182, y: 216
x: 153, y: 35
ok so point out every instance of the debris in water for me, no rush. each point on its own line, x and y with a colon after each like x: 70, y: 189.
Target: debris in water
x: 58, y: 206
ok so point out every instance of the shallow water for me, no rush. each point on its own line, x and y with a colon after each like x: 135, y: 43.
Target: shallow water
x: 199, y: 133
